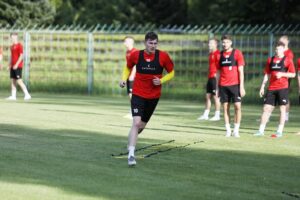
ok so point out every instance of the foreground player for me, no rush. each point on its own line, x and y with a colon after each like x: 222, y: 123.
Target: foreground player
x: 230, y: 79
x: 129, y: 44
x: 288, y: 53
x: 214, y: 57
x: 16, y: 65
x: 278, y: 68
x: 150, y: 64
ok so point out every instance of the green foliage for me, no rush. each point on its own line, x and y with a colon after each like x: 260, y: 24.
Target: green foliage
x: 23, y: 13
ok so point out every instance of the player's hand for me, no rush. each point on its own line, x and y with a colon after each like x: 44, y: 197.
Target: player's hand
x: 122, y: 84
x: 261, y: 92
x: 15, y: 67
x: 156, y: 81
x: 279, y: 75
x: 242, y: 92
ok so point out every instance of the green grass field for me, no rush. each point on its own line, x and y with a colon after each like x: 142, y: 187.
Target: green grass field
x: 59, y: 147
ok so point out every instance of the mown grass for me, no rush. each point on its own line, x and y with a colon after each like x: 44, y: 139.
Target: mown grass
x: 60, y: 146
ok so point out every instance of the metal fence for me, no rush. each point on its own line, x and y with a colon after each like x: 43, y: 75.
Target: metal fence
x: 90, y: 59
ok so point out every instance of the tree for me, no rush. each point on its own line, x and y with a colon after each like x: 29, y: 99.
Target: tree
x: 26, y: 12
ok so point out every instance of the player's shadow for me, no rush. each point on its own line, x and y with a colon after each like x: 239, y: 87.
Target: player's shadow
x: 80, y: 163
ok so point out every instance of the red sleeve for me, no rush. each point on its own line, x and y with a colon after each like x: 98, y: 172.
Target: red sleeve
x: 133, y: 59
x: 290, y: 65
x: 166, y: 61
x: 298, y: 63
x: 267, y: 67
x: 239, y: 58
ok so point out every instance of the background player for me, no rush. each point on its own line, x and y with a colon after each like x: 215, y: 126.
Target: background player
x: 279, y: 68
x: 129, y: 44
x: 16, y: 64
x: 213, y: 59
x: 150, y: 64
x: 230, y: 80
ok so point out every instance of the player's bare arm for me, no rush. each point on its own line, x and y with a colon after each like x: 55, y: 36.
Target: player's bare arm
x: 263, y: 84
x: 241, y: 76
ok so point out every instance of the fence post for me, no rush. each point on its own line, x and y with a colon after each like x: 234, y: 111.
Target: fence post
x: 27, y: 59
x: 90, y: 67
x: 271, y: 39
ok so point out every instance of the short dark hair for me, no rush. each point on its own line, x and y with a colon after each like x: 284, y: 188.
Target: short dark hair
x: 226, y: 37
x: 151, y: 36
x: 279, y: 44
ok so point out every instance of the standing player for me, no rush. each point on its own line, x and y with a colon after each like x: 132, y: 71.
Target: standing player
x: 129, y: 44
x: 214, y: 57
x: 150, y: 64
x: 230, y: 83
x: 288, y: 53
x: 16, y: 64
x: 279, y: 68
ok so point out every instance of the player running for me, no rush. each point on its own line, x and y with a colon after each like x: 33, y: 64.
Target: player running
x: 213, y: 59
x: 278, y: 69
x: 150, y: 64
x: 230, y: 83
x: 16, y: 65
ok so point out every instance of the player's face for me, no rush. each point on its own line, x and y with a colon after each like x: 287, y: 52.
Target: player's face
x: 212, y: 45
x: 226, y: 44
x: 279, y: 51
x: 151, y: 45
x: 14, y: 38
x: 128, y: 43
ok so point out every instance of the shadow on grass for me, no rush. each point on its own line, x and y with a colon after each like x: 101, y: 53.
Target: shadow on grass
x: 79, y: 162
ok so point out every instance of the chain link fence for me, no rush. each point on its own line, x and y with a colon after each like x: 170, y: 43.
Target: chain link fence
x: 79, y: 59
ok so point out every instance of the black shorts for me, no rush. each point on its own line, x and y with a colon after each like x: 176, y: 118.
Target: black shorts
x: 211, y: 86
x: 129, y: 85
x: 16, y: 73
x: 230, y: 94
x: 143, y: 107
x: 277, y: 97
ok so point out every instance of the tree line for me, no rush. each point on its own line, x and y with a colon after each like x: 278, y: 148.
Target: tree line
x: 180, y: 12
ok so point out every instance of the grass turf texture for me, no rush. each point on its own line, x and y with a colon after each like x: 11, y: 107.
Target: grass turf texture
x: 59, y: 147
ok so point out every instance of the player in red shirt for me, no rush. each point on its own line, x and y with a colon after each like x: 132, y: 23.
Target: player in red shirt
x: 16, y: 64
x: 288, y: 53
x: 230, y: 83
x: 214, y: 57
x: 278, y: 69
x: 150, y: 64
x: 129, y: 44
